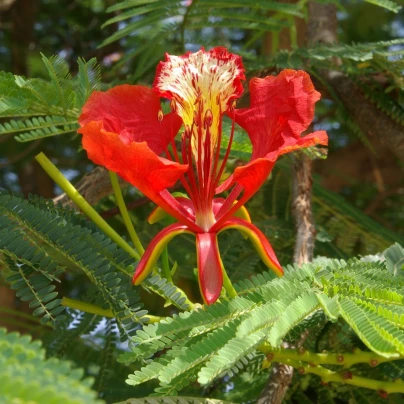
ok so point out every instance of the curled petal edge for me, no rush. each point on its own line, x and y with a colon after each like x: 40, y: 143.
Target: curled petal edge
x: 258, y: 239
x: 154, y: 250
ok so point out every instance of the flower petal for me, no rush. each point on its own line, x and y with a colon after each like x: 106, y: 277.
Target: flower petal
x: 282, y: 107
x: 210, y: 267
x: 154, y: 250
x: 253, y: 174
x: 202, y: 86
x: 135, y: 163
x: 211, y: 76
x: 134, y: 113
x: 159, y: 214
x: 242, y: 211
x: 259, y: 241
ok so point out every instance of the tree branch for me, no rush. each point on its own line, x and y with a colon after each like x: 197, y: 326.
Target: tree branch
x: 93, y: 187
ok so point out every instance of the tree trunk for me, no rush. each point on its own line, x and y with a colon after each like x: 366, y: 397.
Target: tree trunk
x: 22, y: 17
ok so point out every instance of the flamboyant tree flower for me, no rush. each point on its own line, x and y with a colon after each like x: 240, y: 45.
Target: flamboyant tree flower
x: 125, y: 130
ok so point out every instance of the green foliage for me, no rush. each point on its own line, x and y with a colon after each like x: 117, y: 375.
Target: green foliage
x: 231, y: 14
x: 206, y: 343
x: 387, y: 4
x: 168, y: 291
x: 26, y: 376
x: 43, y: 108
x: 331, y: 305
x: 321, y: 55
x: 48, y: 238
x: 395, y: 259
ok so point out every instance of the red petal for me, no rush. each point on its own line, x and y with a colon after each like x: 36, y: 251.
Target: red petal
x: 134, y: 162
x: 159, y: 213
x: 132, y: 113
x: 282, y: 107
x: 259, y: 241
x: 210, y: 267
x: 154, y: 250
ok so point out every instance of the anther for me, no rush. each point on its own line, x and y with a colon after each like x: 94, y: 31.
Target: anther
x: 160, y: 116
x: 173, y: 106
x: 232, y: 106
x: 208, y: 118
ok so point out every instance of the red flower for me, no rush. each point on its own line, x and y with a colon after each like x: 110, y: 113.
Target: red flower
x: 125, y: 130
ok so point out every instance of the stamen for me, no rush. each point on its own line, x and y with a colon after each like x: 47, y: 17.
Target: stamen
x: 173, y: 106
x: 196, y: 194
x: 226, y: 156
x: 160, y: 117
x: 212, y: 184
x: 207, y: 122
x: 227, y: 209
x: 199, y: 151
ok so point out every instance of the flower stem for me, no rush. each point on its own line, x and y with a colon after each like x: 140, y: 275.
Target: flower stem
x: 124, y: 212
x: 228, y: 286
x: 75, y: 196
x: 166, y: 265
x: 93, y: 309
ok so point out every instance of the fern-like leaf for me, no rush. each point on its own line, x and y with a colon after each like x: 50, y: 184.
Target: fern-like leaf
x: 26, y: 376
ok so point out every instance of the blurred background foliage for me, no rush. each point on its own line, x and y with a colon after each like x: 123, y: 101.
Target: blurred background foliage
x: 358, y: 190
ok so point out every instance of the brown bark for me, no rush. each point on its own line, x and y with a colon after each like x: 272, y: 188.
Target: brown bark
x: 277, y: 384
x: 302, y: 193
x: 93, y: 187
x: 372, y: 121
x: 23, y: 13
x: 21, y: 17
x: 6, y: 4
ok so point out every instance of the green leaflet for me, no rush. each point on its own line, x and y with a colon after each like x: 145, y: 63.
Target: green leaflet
x: 194, y: 355
x: 41, y: 108
x: 299, y: 309
x: 368, y: 331
x: 180, y: 328
x: 394, y: 256
x: 57, y: 238
x: 167, y: 290
x: 26, y: 376
x: 154, y: 15
x: 229, y: 355
x: 205, y: 344
x: 389, y: 5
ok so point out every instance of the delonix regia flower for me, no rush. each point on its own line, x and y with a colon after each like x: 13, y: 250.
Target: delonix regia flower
x: 125, y: 130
